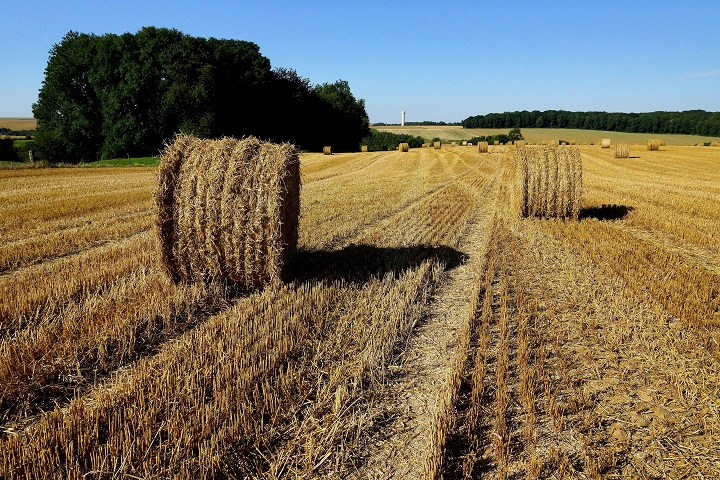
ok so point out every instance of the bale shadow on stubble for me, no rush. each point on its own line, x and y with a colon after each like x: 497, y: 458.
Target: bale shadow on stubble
x: 606, y: 212
x: 360, y: 263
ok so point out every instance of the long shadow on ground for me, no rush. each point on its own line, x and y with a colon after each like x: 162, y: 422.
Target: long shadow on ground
x: 360, y: 263
x: 606, y: 212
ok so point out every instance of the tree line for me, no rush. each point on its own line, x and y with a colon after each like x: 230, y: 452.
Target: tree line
x: 108, y: 96
x: 690, y: 122
x: 381, y: 141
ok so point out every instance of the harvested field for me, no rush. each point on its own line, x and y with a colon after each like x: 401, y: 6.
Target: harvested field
x: 426, y: 329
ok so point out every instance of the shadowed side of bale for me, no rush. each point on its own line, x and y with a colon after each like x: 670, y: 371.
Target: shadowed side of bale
x: 550, y: 183
x: 228, y: 210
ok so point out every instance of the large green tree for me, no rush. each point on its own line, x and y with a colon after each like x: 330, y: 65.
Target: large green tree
x: 115, y: 95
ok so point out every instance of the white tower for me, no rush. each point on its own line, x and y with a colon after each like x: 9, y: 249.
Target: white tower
x: 402, y: 118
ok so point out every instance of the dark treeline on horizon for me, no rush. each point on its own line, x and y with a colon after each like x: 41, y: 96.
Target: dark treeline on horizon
x: 108, y: 96
x: 690, y: 122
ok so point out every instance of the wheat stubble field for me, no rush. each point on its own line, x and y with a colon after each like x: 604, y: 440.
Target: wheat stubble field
x: 427, y: 329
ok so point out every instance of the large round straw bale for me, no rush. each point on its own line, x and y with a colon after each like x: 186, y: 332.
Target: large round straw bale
x: 364, y: 148
x: 403, y: 147
x: 327, y: 150
x: 437, y: 145
x: 652, y: 145
x: 482, y: 147
x: 605, y: 143
x: 622, y: 150
x: 228, y: 210
x: 550, y: 181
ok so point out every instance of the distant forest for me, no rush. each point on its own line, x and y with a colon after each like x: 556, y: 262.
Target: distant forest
x: 690, y: 122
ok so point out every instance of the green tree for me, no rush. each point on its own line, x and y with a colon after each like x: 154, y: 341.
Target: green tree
x: 515, y: 134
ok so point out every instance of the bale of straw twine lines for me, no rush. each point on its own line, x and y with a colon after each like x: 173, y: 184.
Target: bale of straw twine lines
x: 228, y: 210
x: 550, y: 181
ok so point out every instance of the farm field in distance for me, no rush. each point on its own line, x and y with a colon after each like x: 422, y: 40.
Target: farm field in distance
x: 426, y: 330
x: 537, y: 135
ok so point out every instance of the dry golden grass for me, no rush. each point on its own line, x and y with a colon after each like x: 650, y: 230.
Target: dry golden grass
x: 588, y: 349
x: 18, y: 123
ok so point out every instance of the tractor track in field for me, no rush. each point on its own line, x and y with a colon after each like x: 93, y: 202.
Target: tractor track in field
x: 411, y: 398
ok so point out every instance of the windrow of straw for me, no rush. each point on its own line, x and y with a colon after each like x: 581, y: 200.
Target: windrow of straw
x: 550, y: 181
x: 652, y: 145
x: 437, y: 145
x: 622, y: 150
x: 228, y: 209
x: 404, y: 147
x: 605, y: 143
x: 327, y: 150
x: 482, y: 147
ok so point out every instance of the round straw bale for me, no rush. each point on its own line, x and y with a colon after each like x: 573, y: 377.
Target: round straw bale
x: 622, y: 150
x: 404, y: 147
x: 364, y: 148
x: 550, y: 181
x: 605, y: 143
x: 482, y: 147
x: 228, y: 210
x: 437, y: 145
x: 327, y: 150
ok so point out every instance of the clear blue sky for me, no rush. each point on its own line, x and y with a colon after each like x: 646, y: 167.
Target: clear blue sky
x: 436, y: 60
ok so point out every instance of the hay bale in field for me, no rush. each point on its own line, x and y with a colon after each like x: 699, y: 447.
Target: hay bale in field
x: 482, y: 147
x: 453, y: 144
x: 715, y: 144
x: 403, y: 147
x: 364, y: 148
x: 550, y: 181
x: 425, y: 145
x: 228, y: 209
x: 327, y: 150
x: 437, y: 145
x: 605, y: 143
x: 652, y: 145
x: 662, y: 143
x: 572, y: 142
x: 622, y: 150
x: 496, y: 142
x: 464, y: 143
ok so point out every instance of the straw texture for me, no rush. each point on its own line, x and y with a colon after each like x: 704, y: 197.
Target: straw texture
x: 228, y: 209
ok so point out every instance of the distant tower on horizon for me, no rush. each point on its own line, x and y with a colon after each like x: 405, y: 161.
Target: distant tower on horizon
x: 402, y: 118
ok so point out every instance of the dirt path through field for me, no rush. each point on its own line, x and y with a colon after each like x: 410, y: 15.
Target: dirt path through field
x: 412, y: 397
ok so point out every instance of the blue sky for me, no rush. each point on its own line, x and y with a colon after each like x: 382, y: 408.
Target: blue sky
x: 437, y: 60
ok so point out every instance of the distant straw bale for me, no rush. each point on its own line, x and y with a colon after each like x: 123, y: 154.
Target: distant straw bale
x: 453, y: 144
x: 465, y: 143
x: 572, y: 142
x: 622, y: 150
x: 482, y: 147
x: 228, y: 210
x: 715, y: 144
x: 550, y: 181
x: 652, y: 145
x: 496, y: 142
x: 437, y: 145
x: 605, y: 143
x: 364, y: 148
x: 327, y: 150
x: 403, y: 147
